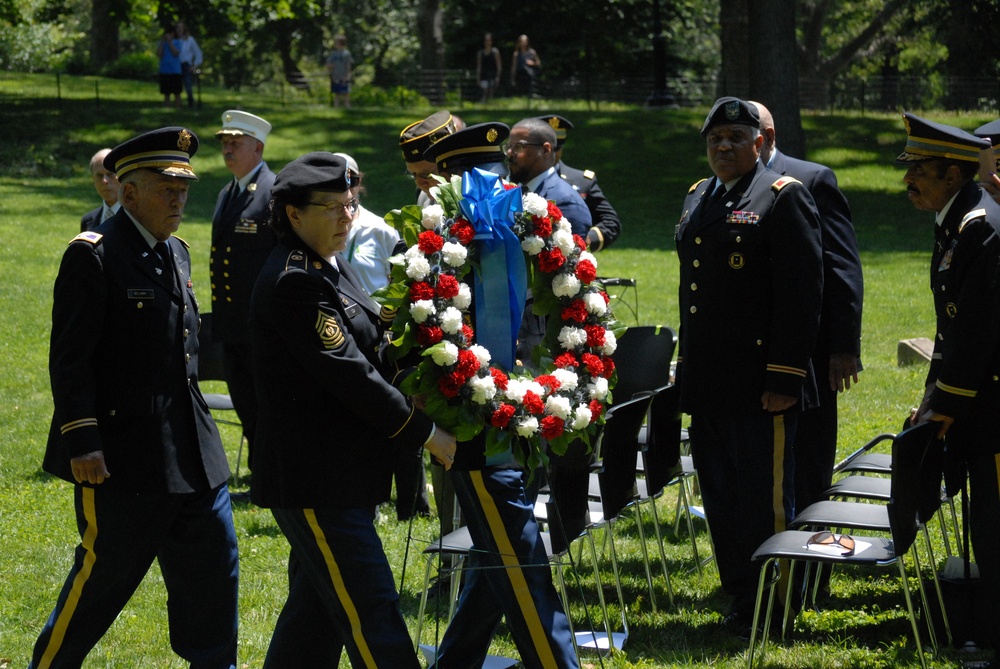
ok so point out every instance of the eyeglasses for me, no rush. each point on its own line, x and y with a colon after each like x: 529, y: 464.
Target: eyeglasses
x: 518, y: 147
x: 351, y: 207
x: 834, y: 544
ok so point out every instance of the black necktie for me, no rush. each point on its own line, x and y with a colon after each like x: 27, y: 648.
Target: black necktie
x: 163, y: 253
x: 717, y: 196
x: 234, y: 191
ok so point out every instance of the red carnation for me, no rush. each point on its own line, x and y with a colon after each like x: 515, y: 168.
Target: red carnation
x: 463, y: 232
x: 609, y: 366
x: 450, y: 384
x: 586, y: 271
x: 501, y: 417
x: 499, y: 378
x: 533, y: 403
x: 550, y: 382
x: 430, y: 242
x: 595, y: 335
x: 593, y: 364
x: 468, y: 363
x: 554, y: 211
x: 428, y: 335
x: 550, y: 261
x: 575, y: 312
x: 604, y: 294
x: 552, y: 427
x: 596, y: 409
x: 509, y: 186
x: 421, y: 290
x: 566, y: 360
x: 447, y: 286
x: 581, y: 244
x: 543, y: 226
x: 469, y: 334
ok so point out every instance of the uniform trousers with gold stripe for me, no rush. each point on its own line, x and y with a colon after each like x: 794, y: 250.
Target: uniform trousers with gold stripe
x: 192, y: 538
x: 341, y: 594
x: 745, y: 468
x: 508, y: 575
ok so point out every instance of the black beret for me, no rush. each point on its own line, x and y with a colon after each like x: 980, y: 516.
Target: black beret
x: 166, y: 150
x: 474, y: 146
x: 560, y: 124
x: 927, y: 140
x: 317, y: 171
x: 417, y: 137
x: 731, y: 111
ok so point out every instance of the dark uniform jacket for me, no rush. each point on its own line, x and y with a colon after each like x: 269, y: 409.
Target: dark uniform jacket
x: 552, y: 187
x: 605, y: 219
x: 965, y: 280
x: 123, y: 364
x: 91, y: 219
x: 330, y: 422
x: 843, y: 283
x: 241, y: 242
x: 751, y: 282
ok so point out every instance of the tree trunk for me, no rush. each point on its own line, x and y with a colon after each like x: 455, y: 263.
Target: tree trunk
x: 774, y: 77
x: 431, y: 81
x: 105, y: 18
x: 734, y: 36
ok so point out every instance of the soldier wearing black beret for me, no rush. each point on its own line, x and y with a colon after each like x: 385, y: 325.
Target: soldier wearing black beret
x: 751, y: 281
x: 130, y: 427
x: 607, y: 225
x: 330, y: 427
x: 962, y: 389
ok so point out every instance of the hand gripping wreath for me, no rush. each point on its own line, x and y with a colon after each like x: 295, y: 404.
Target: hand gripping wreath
x: 458, y: 294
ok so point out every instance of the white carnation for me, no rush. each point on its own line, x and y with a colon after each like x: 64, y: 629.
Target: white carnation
x: 421, y: 309
x: 571, y: 337
x: 454, y: 254
x: 564, y: 240
x: 464, y: 298
x: 516, y: 389
x: 482, y: 354
x: 432, y: 215
x: 610, y: 343
x: 587, y: 255
x: 417, y: 268
x: 535, y: 204
x: 483, y: 389
x: 565, y: 285
x: 581, y: 417
x: 598, y: 388
x: 444, y: 354
x: 527, y: 426
x: 564, y: 225
x: 558, y: 406
x: 533, y: 245
x: 595, y: 304
x: 450, y: 320
x: 567, y: 379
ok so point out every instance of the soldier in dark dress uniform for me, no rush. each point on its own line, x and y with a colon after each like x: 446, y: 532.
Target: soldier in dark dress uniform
x: 751, y: 282
x: 330, y: 426
x: 607, y: 226
x: 131, y: 428
x: 963, y: 383
x: 241, y: 242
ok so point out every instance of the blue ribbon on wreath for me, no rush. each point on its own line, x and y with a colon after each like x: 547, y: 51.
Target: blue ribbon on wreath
x: 501, y: 284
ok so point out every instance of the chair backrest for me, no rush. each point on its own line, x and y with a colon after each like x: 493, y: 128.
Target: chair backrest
x: 663, y: 441
x: 618, y: 447
x: 908, y: 450
x: 210, y: 367
x: 643, y: 360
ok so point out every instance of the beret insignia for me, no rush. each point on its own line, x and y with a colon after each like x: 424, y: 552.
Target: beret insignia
x: 732, y: 110
x: 784, y: 181
x: 329, y: 332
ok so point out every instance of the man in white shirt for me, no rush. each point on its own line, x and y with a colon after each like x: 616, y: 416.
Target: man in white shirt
x: 191, y: 59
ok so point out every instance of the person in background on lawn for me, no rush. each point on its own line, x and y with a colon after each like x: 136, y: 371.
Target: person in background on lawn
x: 169, y: 53
x: 106, y: 185
x: 191, y: 60
x: 340, y: 67
x: 130, y: 428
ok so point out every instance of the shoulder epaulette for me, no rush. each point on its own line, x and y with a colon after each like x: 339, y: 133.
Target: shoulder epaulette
x: 588, y: 174
x: 92, y: 237
x: 296, y: 260
x: 183, y: 243
x: 784, y: 181
x: 695, y: 185
x: 972, y: 215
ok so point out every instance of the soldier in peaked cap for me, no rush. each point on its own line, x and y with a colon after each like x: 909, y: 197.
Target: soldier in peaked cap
x: 751, y: 282
x: 475, y: 146
x: 962, y: 389
x: 316, y: 337
x: 414, y: 141
x: 130, y: 427
x: 990, y: 159
x: 241, y: 242
x: 607, y: 225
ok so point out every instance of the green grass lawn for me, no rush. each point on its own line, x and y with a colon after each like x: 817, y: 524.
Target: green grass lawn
x: 645, y: 159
